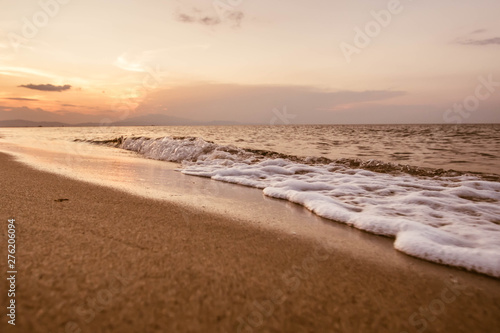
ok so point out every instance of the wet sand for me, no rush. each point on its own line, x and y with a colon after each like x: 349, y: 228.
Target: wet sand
x: 108, y: 261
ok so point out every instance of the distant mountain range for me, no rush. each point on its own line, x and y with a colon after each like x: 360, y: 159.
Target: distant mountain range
x: 146, y: 120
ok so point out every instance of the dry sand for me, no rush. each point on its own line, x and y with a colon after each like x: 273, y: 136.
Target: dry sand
x: 107, y: 261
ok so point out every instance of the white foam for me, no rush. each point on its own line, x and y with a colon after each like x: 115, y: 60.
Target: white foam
x: 453, y: 221
x: 181, y: 150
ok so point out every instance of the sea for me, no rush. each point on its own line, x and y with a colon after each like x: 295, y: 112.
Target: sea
x: 433, y: 189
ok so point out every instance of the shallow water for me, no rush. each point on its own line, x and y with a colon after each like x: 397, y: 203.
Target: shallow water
x: 445, y: 217
x: 474, y: 148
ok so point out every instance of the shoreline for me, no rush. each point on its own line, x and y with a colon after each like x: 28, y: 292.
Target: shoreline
x: 106, y: 260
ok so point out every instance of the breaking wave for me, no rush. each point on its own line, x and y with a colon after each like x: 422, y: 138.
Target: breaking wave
x: 444, y: 216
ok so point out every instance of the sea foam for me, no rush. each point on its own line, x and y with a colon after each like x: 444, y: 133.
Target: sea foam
x: 448, y: 220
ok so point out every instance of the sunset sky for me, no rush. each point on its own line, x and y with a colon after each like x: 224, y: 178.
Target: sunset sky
x: 248, y: 60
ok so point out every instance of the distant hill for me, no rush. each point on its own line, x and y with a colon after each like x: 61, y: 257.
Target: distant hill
x: 27, y: 123
x: 146, y: 120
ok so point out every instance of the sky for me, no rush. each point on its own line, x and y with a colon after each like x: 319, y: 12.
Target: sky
x: 251, y: 61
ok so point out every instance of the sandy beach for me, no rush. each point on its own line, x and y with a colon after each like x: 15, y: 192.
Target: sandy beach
x: 93, y: 259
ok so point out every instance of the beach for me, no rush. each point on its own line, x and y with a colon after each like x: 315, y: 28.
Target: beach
x: 249, y: 166
x: 108, y: 261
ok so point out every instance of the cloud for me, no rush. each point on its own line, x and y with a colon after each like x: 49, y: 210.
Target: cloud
x: 21, y: 99
x: 478, y: 31
x: 204, y: 20
x: 26, y: 72
x: 46, y: 87
x: 236, y: 17
x: 146, y: 60
x: 481, y: 42
x: 255, y: 103
x: 233, y: 17
x: 133, y: 63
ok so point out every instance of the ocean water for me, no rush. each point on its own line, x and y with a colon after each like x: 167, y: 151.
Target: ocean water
x: 471, y: 148
x: 433, y: 188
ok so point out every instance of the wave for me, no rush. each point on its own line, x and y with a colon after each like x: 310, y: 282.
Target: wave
x: 188, y: 149
x: 444, y: 216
